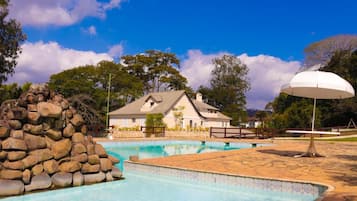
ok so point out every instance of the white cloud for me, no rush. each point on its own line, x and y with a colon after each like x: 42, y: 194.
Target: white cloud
x: 59, y: 12
x: 266, y: 74
x: 197, y: 67
x: 40, y: 60
x: 116, y: 50
x: 92, y: 30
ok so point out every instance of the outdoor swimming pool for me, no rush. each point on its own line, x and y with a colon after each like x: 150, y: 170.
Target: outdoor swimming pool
x: 139, y: 186
x: 162, y: 148
x: 148, y: 183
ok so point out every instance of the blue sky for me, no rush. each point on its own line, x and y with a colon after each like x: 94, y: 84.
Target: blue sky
x: 269, y: 36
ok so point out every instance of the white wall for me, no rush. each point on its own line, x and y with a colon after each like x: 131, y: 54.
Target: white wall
x: 189, y: 114
x: 126, y: 122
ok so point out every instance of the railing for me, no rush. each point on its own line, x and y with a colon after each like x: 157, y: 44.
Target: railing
x: 158, y: 131
x: 231, y: 132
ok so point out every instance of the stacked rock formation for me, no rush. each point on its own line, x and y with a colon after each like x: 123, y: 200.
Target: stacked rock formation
x: 43, y: 145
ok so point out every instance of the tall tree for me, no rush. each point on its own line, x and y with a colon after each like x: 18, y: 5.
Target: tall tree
x: 157, y: 70
x: 12, y: 91
x: 11, y: 37
x: 92, y: 81
x: 228, y: 86
x: 322, y: 51
x: 290, y: 111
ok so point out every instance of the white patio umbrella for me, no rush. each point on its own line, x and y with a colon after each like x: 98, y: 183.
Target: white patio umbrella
x: 318, y: 85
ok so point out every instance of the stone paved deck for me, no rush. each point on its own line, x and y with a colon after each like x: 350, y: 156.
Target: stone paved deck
x: 338, y: 168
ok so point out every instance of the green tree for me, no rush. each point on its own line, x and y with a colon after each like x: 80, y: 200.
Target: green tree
x: 228, y: 86
x: 339, y: 112
x: 154, y: 120
x: 11, y: 37
x: 12, y: 91
x: 78, y: 80
x: 157, y: 70
x: 322, y: 51
x: 125, y: 88
x: 92, y: 81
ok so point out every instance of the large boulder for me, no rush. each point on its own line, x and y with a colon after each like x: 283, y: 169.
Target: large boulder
x: 14, y: 144
x: 4, y: 132
x: 100, y: 151
x: 11, y: 187
x: 42, y: 154
x: 30, y: 161
x: 18, y: 134
x: 50, y: 166
x: 33, y: 129
x: 37, y: 169
x: 62, y: 179
x: 78, y: 149
x: 93, y: 159
x: 33, y: 117
x: 38, y: 182
x: 32, y: 107
x: 70, y: 166
x: 47, y: 109
x: 94, y: 178
x: 90, y: 149
x: 105, y: 164
x: 116, y: 173
x: 88, y: 168
x: 69, y: 130
x: 15, y: 155
x: 15, y: 165
x: 82, y: 158
x: 49, y: 142
x: 109, y: 176
x: 78, y: 179
x: 3, y: 155
x: 15, y: 124
x: 34, y: 142
x: 10, y: 174
x: 19, y: 113
x: 26, y: 176
x: 61, y: 148
x: 77, y: 120
x: 54, y: 134
x: 78, y: 138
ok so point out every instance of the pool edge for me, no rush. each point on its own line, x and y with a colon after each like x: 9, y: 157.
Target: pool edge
x: 328, y: 188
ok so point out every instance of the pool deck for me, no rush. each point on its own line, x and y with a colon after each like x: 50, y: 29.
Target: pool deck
x: 338, y: 169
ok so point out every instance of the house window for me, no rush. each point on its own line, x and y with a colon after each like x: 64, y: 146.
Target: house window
x: 201, y: 123
x: 190, y: 123
x: 133, y: 120
x: 152, y: 103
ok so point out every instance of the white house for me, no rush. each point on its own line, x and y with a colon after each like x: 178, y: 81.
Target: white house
x: 178, y: 110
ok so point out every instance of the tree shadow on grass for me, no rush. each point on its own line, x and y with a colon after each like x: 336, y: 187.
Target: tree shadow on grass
x: 280, y: 153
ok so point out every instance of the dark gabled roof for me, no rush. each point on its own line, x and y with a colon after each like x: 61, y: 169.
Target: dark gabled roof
x: 166, y: 101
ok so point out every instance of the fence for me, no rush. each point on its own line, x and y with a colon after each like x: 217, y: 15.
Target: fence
x: 239, y: 132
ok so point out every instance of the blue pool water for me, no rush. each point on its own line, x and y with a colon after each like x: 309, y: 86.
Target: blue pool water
x: 141, y: 186
x: 155, y: 149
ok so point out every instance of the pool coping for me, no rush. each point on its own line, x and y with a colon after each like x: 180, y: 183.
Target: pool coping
x: 328, y: 187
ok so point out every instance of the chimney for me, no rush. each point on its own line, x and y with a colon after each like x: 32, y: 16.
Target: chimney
x: 199, y: 97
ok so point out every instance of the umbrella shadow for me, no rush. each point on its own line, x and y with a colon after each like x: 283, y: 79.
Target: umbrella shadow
x: 347, y: 157
x: 281, y: 153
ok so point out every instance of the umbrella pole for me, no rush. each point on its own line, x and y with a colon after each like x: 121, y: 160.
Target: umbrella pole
x: 311, y: 151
